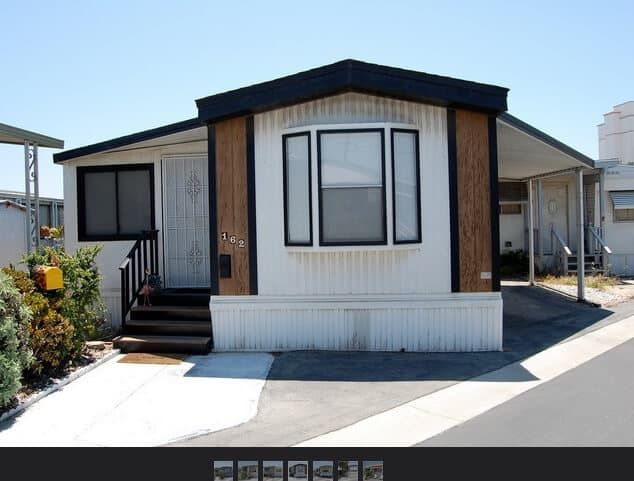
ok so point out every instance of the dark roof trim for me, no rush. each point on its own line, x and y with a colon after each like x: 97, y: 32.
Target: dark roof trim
x: 127, y: 140
x: 352, y: 76
x: 544, y: 137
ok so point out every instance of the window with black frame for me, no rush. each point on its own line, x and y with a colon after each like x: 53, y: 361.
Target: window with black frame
x: 351, y: 166
x: 115, y: 202
x: 405, y: 186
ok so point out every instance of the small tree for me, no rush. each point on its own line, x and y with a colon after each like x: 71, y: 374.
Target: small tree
x: 15, y: 355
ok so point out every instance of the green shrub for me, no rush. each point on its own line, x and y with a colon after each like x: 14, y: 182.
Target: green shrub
x: 15, y: 354
x: 80, y: 300
x: 514, y: 263
x: 51, y: 335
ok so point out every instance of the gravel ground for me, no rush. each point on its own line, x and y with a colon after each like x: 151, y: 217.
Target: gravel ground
x: 609, y: 296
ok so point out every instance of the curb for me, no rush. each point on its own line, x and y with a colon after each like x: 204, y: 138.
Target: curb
x: 57, y: 386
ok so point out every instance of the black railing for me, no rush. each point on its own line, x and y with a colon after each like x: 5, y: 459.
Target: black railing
x: 142, y: 259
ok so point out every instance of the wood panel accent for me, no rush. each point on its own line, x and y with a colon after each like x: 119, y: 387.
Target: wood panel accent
x: 232, y: 203
x: 474, y: 201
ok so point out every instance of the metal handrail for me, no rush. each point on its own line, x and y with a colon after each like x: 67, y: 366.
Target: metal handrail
x: 141, y: 260
x: 561, y: 241
x: 564, y: 248
x: 599, y: 239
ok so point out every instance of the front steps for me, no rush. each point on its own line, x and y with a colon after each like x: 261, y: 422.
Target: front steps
x: 589, y: 264
x: 177, y: 321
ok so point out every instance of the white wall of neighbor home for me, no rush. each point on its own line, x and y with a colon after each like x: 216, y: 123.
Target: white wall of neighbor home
x: 619, y: 235
x: 114, y: 252
x: 361, y: 298
x: 12, y: 235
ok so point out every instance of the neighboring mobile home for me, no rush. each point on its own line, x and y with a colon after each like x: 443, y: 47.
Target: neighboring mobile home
x: 353, y: 206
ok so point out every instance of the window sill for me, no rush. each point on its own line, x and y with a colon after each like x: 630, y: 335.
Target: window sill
x: 362, y: 248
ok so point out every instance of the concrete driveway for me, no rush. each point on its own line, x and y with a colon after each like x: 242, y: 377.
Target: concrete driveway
x: 310, y: 393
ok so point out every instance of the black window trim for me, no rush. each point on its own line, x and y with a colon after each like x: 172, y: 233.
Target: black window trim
x: 81, y: 204
x: 419, y: 232
x: 288, y: 242
x: 383, y: 241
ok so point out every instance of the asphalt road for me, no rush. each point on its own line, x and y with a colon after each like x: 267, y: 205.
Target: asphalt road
x: 591, y: 405
x: 311, y: 393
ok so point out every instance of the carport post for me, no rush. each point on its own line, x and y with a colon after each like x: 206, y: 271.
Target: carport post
x: 581, y: 252
x: 531, y: 236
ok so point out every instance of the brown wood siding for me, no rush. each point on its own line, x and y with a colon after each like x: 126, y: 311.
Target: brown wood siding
x: 474, y: 205
x: 231, y: 198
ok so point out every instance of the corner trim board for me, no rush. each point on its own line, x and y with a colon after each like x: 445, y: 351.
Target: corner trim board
x: 452, y: 155
x: 494, y: 196
x: 214, y: 286
x: 251, y: 206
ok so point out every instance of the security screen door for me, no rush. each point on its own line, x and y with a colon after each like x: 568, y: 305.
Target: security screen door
x: 186, y: 221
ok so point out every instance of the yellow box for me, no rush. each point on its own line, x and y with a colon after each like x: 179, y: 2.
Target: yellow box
x: 51, y: 278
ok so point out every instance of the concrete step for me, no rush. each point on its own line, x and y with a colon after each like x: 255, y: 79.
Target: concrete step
x: 172, y: 344
x: 172, y: 313
x: 168, y: 327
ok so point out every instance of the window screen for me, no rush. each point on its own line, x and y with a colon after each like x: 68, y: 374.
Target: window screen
x: 115, y: 203
x: 352, y: 187
x: 406, y: 186
x: 297, y: 189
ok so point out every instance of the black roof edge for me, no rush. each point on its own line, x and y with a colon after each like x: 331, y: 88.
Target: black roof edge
x: 547, y: 139
x: 127, y: 140
x: 352, y: 76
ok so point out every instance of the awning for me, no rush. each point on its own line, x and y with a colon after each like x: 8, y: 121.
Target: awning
x: 15, y: 135
x: 622, y: 199
x: 525, y: 152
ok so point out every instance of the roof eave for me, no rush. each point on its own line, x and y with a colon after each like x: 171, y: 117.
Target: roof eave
x: 135, y: 138
x: 352, y: 76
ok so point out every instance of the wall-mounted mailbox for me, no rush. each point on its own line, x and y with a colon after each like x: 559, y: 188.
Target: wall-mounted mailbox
x: 225, y: 265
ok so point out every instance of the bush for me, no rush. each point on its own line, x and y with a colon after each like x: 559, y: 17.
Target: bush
x: 514, y: 263
x: 15, y: 354
x: 51, y: 335
x: 80, y: 300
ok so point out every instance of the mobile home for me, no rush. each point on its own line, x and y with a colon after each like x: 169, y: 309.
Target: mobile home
x: 349, y: 207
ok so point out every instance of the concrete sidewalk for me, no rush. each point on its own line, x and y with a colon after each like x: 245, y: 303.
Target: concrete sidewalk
x: 120, y: 404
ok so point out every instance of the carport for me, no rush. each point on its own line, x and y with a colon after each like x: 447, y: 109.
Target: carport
x: 31, y: 141
x: 526, y: 154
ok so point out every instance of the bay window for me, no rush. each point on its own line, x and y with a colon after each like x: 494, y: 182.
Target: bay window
x: 354, y: 187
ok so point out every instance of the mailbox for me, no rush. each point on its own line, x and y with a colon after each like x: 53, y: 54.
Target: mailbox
x: 49, y: 277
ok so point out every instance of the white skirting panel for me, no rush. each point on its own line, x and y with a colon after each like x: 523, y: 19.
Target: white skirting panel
x: 438, y: 323
x: 112, y: 300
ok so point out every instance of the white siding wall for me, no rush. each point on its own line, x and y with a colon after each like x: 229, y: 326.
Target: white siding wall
x: 423, y: 269
x: 113, y: 253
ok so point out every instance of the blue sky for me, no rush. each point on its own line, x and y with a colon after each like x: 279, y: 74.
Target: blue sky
x: 88, y: 70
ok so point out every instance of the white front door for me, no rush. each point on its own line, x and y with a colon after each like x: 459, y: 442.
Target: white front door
x: 186, y: 221
x: 555, y: 212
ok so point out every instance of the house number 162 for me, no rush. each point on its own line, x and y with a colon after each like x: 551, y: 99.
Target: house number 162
x: 233, y: 239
